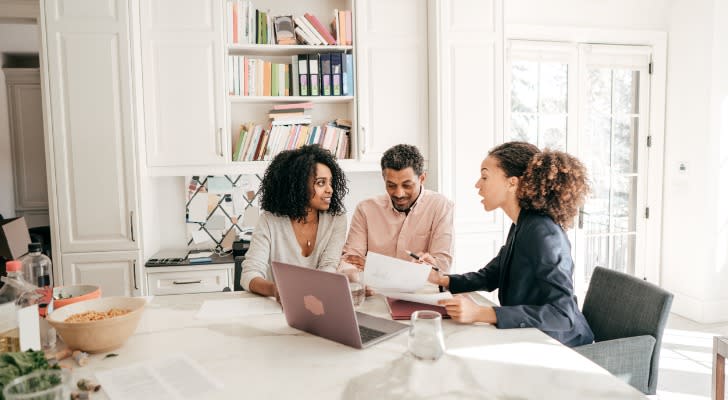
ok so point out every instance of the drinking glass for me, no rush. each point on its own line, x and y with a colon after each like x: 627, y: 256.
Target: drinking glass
x: 426, y: 341
x: 49, y: 384
x: 357, y: 293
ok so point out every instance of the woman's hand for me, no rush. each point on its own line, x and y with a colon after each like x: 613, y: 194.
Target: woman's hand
x: 464, y: 310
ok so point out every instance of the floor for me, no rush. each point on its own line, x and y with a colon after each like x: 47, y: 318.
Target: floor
x: 686, y: 359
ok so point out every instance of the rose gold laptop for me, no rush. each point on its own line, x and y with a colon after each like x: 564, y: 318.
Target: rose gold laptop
x: 320, y: 303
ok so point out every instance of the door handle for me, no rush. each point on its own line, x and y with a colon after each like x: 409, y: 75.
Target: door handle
x: 219, y: 142
x: 581, y: 218
x: 363, y: 140
x: 186, y: 282
x: 134, y: 273
x: 131, y: 225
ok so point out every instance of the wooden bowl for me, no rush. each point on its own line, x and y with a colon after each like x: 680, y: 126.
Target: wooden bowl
x: 101, y: 335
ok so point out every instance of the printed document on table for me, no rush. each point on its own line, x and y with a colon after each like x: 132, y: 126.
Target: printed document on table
x: 424, y: 298
x: 172, y: 377
x: 231, y: 308
x: 394, y: 275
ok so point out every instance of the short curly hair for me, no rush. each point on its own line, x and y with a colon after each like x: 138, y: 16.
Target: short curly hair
x: 286, y: 189
x: 551, y: 182
x: 403, y: 156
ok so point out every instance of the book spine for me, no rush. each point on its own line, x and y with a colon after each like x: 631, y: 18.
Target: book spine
x: 320, y: 28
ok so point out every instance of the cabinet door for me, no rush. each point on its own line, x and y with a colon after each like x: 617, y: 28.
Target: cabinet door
x: 26, y: 139
x: 87, y: 57
x: 182, y: 66
x: 392, y: 76
x: 116, y: 273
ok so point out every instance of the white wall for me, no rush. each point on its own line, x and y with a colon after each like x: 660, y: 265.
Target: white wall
x: 694, y: 219
x: 627, y: 14
x: 19, y: 39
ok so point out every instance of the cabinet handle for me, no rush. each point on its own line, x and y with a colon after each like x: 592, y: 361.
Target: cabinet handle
x: 134, y: 272
x: 131, y: 225
x: 186, y: 282
x: 219, y: 142
x: 363, y: 140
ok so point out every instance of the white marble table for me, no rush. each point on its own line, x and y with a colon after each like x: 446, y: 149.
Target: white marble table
x: 261, y: 357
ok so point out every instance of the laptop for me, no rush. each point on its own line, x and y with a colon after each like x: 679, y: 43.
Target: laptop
x: 320, y: 303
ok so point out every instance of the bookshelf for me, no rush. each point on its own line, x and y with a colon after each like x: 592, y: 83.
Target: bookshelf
x: 244, y: 108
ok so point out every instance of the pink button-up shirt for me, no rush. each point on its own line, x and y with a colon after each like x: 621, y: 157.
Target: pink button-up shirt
x: 377, y: 226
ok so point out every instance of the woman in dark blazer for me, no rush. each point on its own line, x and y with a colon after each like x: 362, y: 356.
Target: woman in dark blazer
x: 542, y: 193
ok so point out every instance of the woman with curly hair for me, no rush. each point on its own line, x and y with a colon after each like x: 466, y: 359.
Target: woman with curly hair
x: 304, y: 221
x: 541, y: 191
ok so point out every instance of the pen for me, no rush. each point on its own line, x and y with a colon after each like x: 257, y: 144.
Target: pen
x: 416, y: 257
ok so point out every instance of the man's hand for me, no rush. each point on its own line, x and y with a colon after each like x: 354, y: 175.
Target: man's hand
x: 355, y: 260
x: 464, y: 310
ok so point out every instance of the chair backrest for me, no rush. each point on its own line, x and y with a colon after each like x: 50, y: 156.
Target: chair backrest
x: 618, y: 305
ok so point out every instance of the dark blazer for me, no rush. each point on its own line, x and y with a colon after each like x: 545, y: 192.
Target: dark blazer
x: 533, y: 274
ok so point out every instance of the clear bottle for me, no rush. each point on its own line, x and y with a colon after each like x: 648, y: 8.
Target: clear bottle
x: 37, y: 267
x: 14, y: 285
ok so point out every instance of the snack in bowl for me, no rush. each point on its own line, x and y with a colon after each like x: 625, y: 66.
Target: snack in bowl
x: 65, y: 295
x: 92, y: 333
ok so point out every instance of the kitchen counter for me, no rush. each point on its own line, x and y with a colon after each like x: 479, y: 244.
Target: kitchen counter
x: 262, y: 357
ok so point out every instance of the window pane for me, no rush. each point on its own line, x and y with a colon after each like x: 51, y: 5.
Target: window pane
x: 624, y: 148
x: 623, y: 203
x: 552, y: 88
x: 597, y: 154
x: 524, y: 83
x: 552, y: 132
x: 623, y: 253
x: 626, y: 84
x: 599, y: 88
x: 523, y: 128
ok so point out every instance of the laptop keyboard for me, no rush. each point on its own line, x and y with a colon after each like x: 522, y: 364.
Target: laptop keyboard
x: 368, y: 334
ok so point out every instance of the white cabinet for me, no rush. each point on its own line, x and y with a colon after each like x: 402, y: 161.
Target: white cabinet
x: 26, y: 141
x: 189, y: 279
x: 182, y: 72
x: 392, y: 74
x: 91, y: 134
x: 116, y: 273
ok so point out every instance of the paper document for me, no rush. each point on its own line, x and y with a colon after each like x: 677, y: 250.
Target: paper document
x: 394, y: 275
x: 424, y: 298
x: 223, y: 309
x: 172, y: 377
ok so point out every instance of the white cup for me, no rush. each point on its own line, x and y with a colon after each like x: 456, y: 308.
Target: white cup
x: 426, y: 341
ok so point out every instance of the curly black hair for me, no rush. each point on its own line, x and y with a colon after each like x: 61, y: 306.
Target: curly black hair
x: 403, y: 156
x: 551, y: 182
x: 286, y: 188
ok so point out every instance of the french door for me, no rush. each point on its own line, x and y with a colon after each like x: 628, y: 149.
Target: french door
x: 591, y: 101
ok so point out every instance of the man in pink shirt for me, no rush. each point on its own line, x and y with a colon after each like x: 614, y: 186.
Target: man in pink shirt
x: 408, y: 218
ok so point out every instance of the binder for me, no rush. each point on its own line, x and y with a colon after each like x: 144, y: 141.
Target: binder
x: 303, y: 75
x: 295, y: 89
x: 347, y: 82
x: 314, y: 76
x: 336, y: 74
x: 325, y: 74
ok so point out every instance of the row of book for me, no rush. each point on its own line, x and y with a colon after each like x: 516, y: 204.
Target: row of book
x: 256, y: 142
x: 249, y: 25
x: 322, y: 74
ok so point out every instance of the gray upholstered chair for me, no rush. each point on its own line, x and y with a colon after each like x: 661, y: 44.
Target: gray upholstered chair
x: 627, y: 316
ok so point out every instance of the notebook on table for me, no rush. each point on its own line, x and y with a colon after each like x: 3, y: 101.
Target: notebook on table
x: 320, y: 303
x: 403, y: 309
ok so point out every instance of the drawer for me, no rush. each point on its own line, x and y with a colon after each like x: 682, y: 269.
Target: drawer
x: 180, y: 282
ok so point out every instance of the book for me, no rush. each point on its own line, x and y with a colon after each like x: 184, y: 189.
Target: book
x: 305, y: 105
x: 348, y: 40
x: 284, y: 29
x: 302, y: 23
x: 320, y: 28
